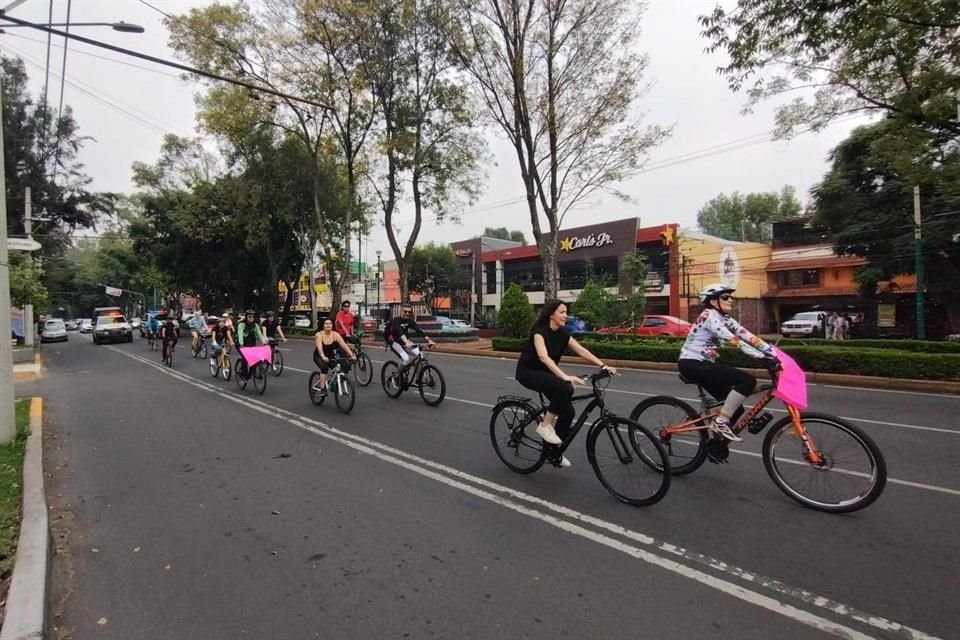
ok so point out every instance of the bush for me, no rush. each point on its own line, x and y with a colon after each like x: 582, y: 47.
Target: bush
x: 516, y: 313
x: 594, y: 305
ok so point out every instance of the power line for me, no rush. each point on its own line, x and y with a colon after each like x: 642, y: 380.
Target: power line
x: 63, y: 77
x: 107, y: 58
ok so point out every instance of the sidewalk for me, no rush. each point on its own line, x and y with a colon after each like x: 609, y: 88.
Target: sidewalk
x: 27, y: 370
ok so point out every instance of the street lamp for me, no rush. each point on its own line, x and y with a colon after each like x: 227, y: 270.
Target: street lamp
x: 379, y: 269
x: 123, y: 27
x: 7, y: 423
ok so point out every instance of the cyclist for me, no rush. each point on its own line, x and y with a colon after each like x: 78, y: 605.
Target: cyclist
x: 328, y: 345
x: 196, y: 326
x: 539, y: 369
x: 396, y: 336
x: 271, y: 328
x: 698, y: 358
x: 248, y: 335
x: 153, y: 327
x: 169, y: 334
x: 344, y: 323
x: 222, y: 337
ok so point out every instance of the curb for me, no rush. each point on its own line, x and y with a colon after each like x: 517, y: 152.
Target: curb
x: 866, y: 382
x: 26, y: 612
x: 23, y: 371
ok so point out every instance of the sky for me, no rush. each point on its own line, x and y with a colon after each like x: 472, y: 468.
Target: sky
x: 126, y: 106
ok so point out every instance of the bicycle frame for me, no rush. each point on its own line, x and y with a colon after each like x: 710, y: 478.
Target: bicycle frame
x: 596, y: 399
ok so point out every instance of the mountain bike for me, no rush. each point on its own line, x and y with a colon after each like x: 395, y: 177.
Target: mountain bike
x: 168, y: 353
x: 276, y: 358
x: 420, y: 374
x: 199, y: 350
x: 256, y: 371
x: 152, y: 340
x: 628, y: 459
x: 338, y: 384
x: 363, y: 367
x: 220, y: 364
x: 804, y: 453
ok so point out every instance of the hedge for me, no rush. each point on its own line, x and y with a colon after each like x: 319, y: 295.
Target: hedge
x: 917, y: 346
x: 886, y: 363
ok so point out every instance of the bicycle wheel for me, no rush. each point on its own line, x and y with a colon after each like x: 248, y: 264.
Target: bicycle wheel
x: 226, y: 370
x: 629, y: 461
x: 203, y: 349
x: 851, y: 475
x: 686, y: 451
x: 513, y: 427
x: 343, y: 393
x: 214, y: 366
x: 363, y: 369
x: 390, y: 379
x: 276, y: 365
x: 260, y: 376
x: 241, y: 379
x: 432, y: 385
x: 315, y: 390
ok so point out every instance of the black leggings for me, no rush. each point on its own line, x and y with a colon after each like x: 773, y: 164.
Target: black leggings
x: 557, y: 391
x: 718, y: 379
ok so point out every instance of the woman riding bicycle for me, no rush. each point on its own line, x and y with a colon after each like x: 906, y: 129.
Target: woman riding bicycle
x: 699, y: 354
x: 538, y: 369
x: 327, y: 343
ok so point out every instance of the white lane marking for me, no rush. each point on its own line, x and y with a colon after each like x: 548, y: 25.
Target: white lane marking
x: 951, y: 396
x: 436, y: 471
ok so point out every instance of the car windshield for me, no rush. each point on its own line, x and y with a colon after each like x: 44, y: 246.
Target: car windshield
x: 808, y: 315
x: 106, y: 320
x: 54, y: 324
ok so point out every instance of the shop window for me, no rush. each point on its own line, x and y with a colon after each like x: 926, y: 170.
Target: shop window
x: 797, y: 278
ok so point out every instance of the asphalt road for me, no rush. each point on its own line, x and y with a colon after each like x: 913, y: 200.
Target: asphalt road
x: 185, y: 508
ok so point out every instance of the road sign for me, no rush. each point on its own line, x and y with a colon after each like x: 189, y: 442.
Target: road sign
x: 22, y: 244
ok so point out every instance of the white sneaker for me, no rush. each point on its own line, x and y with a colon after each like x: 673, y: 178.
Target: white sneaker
x: 549, y: 436
x: 722, y: 428
x: 564, y: 462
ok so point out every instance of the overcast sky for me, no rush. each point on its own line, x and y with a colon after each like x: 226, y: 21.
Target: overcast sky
x: 126, y: 110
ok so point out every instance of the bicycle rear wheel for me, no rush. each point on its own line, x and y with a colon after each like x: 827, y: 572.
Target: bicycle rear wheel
x: 390, y: 379
x: 317, y: 394
x: 276, y: 365
x: 343, y: 393
x: 432, y: 385
x: 260, y: 376
x: 513, y: 427
x: 686, y: 451
x: 629, y: 461
x: 363, y: 369
x: 851, y: 475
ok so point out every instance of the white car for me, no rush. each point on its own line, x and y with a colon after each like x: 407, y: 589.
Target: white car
x: 460, y: 323
x: 301, y: 321
x: 86, y: 325
x: 54, y: 330
x: 808, y: 324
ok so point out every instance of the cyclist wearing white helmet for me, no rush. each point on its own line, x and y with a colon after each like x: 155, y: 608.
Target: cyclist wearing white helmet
x: 698, y: 358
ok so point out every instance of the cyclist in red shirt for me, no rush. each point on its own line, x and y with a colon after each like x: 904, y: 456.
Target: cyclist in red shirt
x: 344, y: 323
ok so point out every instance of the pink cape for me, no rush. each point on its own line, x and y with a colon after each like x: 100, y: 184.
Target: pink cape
x: 253, y: 355
x: 792, y: 384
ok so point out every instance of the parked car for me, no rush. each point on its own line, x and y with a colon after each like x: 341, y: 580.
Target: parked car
x: 301, y: 321
x: 135, y: 323
x: 71, y: 325
x: 451, y: 326
x: 576, y: 325
x: 86, y: 325
x: 652, y: 325
x: 463, y: 324
x: 112, y: 329
x: 808, y: 324
x: 54, y: 330
x: 368, y: 323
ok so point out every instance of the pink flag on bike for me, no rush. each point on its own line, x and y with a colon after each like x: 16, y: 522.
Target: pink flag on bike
x: 792, y: 384
x: 253, y: 355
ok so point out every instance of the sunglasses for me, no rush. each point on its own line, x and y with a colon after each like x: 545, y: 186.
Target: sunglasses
x: 726, y: 297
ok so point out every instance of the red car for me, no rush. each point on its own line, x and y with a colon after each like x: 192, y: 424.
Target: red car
x: 368, y: 324
x: 652, y: 326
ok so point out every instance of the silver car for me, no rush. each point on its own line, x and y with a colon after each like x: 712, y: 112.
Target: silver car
x: 54, y: 330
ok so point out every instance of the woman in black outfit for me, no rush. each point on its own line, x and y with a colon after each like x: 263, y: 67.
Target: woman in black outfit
x: 538, y: 369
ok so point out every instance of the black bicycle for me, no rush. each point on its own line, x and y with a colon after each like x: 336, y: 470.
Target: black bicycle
x: 168, y: 353
x: 629, y: 460
x: 199, y: 350
x: 363, y: 367
x: 257, y: 372
x: 276, y: 358
x: 420, y: 374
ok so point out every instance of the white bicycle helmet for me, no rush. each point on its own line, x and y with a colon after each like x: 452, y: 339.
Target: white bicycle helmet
x: 714, y: 290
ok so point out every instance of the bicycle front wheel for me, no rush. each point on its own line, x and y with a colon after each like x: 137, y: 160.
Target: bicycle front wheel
x: 432, y: 385
x: 241, y: 379
x: 343, y: 394
x: 390, y: 379
x: 214, y: 366
x: 850, y: 476
x: 687, y: 450
x: 276, y: 364
x: 629, y: 461
x: 363, y: 370
x: 317, y: 393
x: 260, y: 377
x: 513, y: 429
x: 203, y: 349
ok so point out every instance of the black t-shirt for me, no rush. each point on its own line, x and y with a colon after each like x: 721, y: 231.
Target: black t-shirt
x: 555, y: 341
x: 270, y: 327
x: 169, y: 330
x: 400, y: 326
x: 220, y: 334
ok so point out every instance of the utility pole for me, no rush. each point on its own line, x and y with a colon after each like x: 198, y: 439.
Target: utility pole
x: 918, y: 256
x: 7, y: 426
x: 28, y: 331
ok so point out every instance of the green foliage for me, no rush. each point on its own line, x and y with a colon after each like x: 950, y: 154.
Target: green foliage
x: 899, y: 58
x: 745, y: 217
x: 433, y: 269
x: 11, y: 487
x: 26, y: 281
x: 634, y: 266
x: 595, y: 305
x: 516, y: 314
x: 505, y: 234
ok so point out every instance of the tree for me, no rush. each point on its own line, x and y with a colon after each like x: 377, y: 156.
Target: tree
x: 503, y: 234
x: 895, y: 57
x: 866, y: 202
x: 432, y: 269
x: 634, y: 266
x: 561, y: 80
x: 595, y: 305
x: 745, y: 217
x: 26, y: 281
x: 516, y: 314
